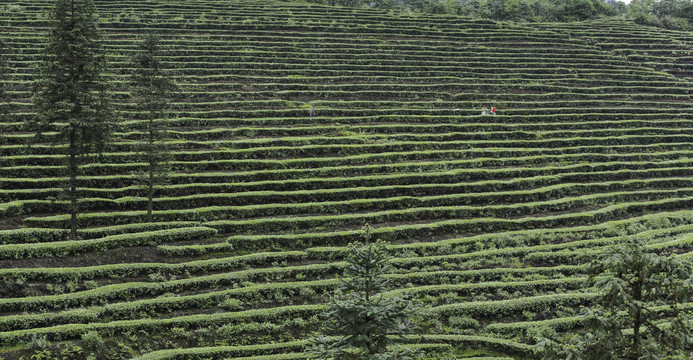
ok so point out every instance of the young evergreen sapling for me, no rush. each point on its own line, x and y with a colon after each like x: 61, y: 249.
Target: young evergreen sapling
x: 362, y: 323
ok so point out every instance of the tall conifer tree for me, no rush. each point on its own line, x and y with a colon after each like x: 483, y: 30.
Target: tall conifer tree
x: 152, y: 90
x: 71, y: 94
x: 4, y: 85
x: 4, y: 77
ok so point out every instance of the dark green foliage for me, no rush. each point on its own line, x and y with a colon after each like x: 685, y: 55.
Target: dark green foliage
x: 582, y: 9
x: 70, y: 92
x: 534, y: 10
x: 152, y: 90
x: 70, y: 87
x: 516, y: 10
x: 361, y: 318
x: 672, y: 14
x: 624, y: 323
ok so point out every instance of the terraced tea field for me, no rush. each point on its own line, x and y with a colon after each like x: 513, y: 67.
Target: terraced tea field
x: 491, y: 219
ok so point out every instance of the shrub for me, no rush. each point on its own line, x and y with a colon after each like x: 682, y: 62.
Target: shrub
x: 92, y: 340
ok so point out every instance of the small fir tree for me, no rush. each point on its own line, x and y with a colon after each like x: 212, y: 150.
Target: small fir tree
x: 152, y: 90
x: 638, y: 314
x: 71, y: 94
x: 4, y: 82
x: 363, y: 323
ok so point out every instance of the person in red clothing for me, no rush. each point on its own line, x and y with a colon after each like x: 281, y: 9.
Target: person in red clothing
x: 493, y: 111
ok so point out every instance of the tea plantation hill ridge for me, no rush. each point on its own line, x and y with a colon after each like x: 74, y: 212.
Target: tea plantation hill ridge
x: 491, y: 219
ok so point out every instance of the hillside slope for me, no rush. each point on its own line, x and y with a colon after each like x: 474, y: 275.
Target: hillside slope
x: 663, y: 50
x: 491, y: 218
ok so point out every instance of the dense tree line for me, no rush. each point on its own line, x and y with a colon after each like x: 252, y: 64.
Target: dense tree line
x: 665, y: 13
x: 672, y: 14
x: 530, y: 10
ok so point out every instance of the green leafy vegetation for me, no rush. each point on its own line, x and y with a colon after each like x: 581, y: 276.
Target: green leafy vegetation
x: 489, y: 223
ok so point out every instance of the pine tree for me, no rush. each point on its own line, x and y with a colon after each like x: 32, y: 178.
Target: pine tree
x: 152, y: 91
x: 4, y: 77
x: 71, y: 94
x: 362, y: 320
x: 638, y: 314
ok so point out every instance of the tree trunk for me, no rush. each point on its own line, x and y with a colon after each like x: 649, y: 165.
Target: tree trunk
x: 637, y: 322
x: 636, y: 335
x: 150, y: 193
x: 73, y: 166
x: 150, y: 183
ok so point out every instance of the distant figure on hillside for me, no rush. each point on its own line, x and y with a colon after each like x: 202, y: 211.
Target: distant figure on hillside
x: 312, y: 111
x: 485, y: 111
x: 493, y: 111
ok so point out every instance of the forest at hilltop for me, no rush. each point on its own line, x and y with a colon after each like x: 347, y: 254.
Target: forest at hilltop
x: 673, y: 14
